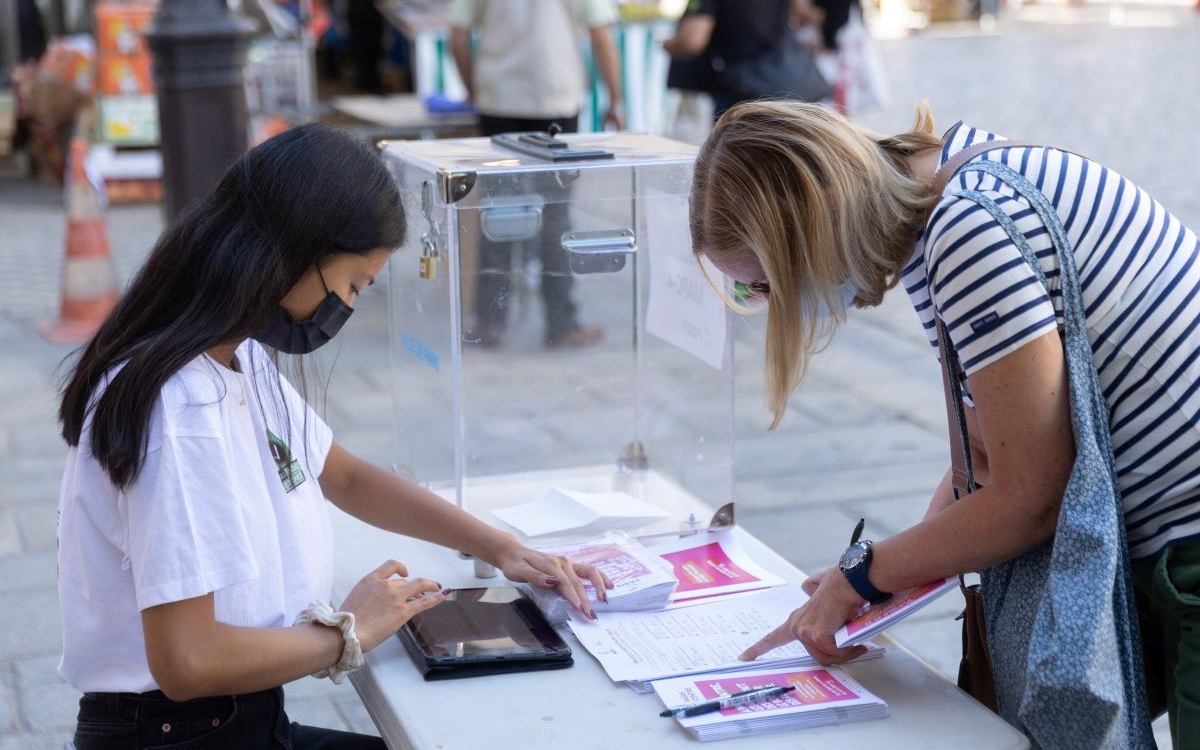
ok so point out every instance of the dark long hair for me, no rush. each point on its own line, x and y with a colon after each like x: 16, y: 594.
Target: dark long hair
x: 217, y: 271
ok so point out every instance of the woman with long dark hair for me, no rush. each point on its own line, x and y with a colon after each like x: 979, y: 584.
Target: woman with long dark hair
x: 194, y: 540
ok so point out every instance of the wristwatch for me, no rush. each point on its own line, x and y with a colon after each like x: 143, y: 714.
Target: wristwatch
x: 855, y: 563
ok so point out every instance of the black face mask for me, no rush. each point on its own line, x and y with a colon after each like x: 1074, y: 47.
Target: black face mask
x: 301, y: 337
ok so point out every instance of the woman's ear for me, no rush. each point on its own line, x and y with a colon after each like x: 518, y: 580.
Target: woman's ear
x: 742, y: 267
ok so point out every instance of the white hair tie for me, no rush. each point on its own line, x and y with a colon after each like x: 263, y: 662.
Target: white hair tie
x: 352, y: 656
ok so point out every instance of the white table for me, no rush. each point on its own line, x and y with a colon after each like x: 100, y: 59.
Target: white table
x: 581, y: 708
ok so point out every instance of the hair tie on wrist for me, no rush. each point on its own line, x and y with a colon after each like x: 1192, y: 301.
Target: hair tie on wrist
x: 352, y: 656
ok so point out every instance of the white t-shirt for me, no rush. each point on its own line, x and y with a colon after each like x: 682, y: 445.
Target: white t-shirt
x: 1139, y: 273
x: 528, y: 60
x: 211, y: 511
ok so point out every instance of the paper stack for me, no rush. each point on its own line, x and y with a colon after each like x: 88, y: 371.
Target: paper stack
x: 871, y: 621
x: 822, y: 695
x: 712, y: 565
x: 637, y: 647
x: 642, y: 581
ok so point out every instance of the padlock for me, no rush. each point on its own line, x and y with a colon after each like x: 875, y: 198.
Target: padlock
x: 429, y: 266
x: 429, y: 257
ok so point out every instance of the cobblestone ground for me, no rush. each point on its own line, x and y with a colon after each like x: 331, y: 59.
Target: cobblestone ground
x: 864, y: 436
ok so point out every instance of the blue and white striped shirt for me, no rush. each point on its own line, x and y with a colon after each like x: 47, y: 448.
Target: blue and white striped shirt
x: 1140, y: 278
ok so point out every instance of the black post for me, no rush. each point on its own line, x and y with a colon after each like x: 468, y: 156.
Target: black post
x: 199, y: 55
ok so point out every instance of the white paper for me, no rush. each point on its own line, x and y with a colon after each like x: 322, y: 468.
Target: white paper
x: 641, y: 580
x: 683, y: 309
x: 560, y: 511
x: 706, y: 637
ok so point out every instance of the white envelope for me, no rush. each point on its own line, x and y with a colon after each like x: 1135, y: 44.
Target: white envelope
x: 591, y: 512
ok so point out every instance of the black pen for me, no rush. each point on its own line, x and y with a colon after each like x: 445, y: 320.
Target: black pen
x: 737, y: 699
x: 858, y: 530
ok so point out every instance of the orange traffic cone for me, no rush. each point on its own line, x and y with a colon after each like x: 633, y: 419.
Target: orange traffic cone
x: 89, y: 289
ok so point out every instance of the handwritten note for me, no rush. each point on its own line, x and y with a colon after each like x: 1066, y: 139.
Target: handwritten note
x: 683, y: 309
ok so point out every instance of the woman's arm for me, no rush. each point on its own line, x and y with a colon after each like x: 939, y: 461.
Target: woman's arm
x: 943, y: 496
x: 192, y: 655
x: 604, y: 51
x: 1022, y: 422
x: 692, y: 35
x: 395, y: 504
x: 1023, y: 418
x: 460, y: 49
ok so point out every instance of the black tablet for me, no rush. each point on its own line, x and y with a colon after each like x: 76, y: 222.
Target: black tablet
x: 483, y: 631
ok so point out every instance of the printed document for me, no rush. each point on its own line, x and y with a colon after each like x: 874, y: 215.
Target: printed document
x: 822, y: 695
x: 639, y: 646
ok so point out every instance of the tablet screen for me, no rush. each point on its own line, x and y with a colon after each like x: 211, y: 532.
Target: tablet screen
x: 485, y: 624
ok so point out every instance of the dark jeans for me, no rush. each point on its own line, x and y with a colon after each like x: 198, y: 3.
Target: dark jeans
x: 151, y: 721
x: 494, y: 289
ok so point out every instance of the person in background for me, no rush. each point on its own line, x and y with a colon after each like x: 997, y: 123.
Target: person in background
x: 366, y: 27
x: 732, y: 31
x: 808, y: 211
x: 525, y: 72
x: 831, y: 16
x: 195, y: 559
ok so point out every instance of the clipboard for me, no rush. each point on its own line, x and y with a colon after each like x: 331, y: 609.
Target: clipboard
x: 483, y: 631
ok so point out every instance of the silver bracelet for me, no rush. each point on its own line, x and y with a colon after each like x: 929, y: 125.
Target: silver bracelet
x: 352, y: 656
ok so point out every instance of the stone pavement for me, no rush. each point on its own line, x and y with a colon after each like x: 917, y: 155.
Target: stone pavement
x: 865, y: 435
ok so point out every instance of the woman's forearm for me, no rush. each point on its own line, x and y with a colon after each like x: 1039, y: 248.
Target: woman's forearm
x: 191, y: 655
x: 395, y: 504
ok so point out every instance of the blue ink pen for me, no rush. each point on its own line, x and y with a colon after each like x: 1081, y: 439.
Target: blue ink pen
x: 737, y: 699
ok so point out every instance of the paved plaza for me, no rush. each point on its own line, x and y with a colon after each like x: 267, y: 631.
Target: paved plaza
x: 864, y: 437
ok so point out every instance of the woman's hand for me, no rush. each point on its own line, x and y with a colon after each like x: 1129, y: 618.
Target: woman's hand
x: 525, y: 565
x: 384, y: 600
x: 832, y: 602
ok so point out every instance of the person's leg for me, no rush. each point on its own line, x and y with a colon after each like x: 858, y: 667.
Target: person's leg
x: 366, y: 44
x: 320, y: 738
x: 493, y: 287
x: 1175, y: 588
x: 557, y: 280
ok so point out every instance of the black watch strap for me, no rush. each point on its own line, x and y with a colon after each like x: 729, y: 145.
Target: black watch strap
x: 859, y: 580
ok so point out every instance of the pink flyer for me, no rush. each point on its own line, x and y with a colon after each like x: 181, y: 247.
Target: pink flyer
x: 706, y: 567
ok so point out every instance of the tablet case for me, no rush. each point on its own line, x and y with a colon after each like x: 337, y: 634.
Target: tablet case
x: 440, y: 640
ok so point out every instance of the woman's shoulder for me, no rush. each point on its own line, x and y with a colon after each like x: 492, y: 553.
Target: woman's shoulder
x: 960, y: 136
x: 199, y: 381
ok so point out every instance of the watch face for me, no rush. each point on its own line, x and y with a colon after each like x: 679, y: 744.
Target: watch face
x: 853, y: 557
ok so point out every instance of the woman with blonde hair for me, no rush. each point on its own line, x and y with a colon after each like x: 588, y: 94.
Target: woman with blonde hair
x: 808, y: 213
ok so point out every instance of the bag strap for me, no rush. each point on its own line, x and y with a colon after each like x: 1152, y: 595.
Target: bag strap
x: 942, y: 177
x: 962, y: 477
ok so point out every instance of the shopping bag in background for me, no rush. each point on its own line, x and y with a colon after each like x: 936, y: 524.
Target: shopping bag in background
x: 693, y: 117
x: 861, y: 83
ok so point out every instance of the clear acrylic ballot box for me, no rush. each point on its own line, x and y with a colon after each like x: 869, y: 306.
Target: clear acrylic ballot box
x: 550, y: 327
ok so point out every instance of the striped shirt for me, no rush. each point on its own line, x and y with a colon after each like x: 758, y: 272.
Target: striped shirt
x: 1140, y: 279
